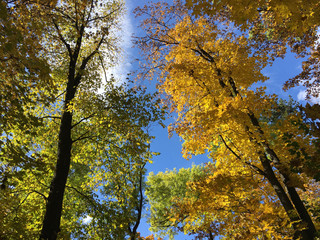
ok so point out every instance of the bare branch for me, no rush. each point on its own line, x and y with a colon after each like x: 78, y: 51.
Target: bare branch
x: 87, y: 59
x: 83, y: 119
x: 94, y: 204
x: 258, y: 170
x: 62, y: 38
x: 55, y: 117
x: 139, y: 208
x: 82, y: 137
x: 103, y: 67
x: 105, y: 16
x: 89, y: 13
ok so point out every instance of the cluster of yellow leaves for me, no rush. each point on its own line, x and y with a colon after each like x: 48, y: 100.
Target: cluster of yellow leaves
x: 243, y: 206
x: 274, y: 25
x: 207, y: 73
x: 237, y: 205
x: 205, y: 109
x: 244, y: 13
x: 204, y: 98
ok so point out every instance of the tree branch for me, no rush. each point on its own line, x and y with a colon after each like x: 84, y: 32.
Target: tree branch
x: 86, y: 197
x: 62, y: 38
x: 86, y: 60
x: 103, y: 17
x: 83, y: 119
x: 139, y: 208
x: 257, y: 169
x: 55, y: 117
x: 82, y: 136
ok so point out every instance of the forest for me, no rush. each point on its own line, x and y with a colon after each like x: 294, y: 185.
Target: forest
x: 76, y: 142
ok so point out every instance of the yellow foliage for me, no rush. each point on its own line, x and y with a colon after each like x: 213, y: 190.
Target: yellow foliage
x: 208, y: 72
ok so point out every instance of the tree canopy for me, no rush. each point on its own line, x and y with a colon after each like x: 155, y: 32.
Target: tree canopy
x: 206, y: 67
x: 75, y: 142
x: 77, y: 170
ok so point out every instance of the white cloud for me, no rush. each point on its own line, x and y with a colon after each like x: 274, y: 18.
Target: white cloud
x: 318, y: 36
x: 87, y: 220
x: 302, y: 97
x: 123, y: 66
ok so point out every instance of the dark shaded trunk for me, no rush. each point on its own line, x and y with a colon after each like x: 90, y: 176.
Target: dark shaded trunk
x: 211, y: 237
x: 133, y: 232
x: 310, y: 232
x: 281, y: 193
x: 290, y: 200
x: 51, y: 222
x: 285, y: 200
x: 283, y: 197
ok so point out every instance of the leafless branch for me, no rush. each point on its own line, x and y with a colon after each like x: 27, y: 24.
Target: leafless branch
x: 87, y: 59
x: 83, y: 119
x: 62, y: 38
x: 258, y: 170
x: 82, y: 137
x: 55, y: 117
x: 94, y: 204
x: 105, y: 16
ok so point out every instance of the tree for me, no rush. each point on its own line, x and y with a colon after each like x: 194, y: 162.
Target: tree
x: 96, y: 145
x: 25, y: 70
x: 207, y: 69
x: 213, y: 204
x: 80, y: 45
x: 274, y: 25
x: 165, y: 193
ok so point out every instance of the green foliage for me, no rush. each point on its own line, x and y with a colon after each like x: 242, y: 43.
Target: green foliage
x: 163, y: 191
x: 109, y: 130
x: 111, y: 148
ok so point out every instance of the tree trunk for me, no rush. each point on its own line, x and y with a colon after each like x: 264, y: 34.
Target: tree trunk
x: 310, y: 232
x: 295, y: 198
x: 51, y: 222
x: 290, y: 200
x: 133, y: 232
x: 303, y: 213
x: 283, y: 197
x: 299, y: 207
x: 292, y: 203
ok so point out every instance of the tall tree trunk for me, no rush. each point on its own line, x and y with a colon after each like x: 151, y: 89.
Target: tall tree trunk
x: 283, y: 197
x: 303, y: 213
x: 299, y: 206
x: 133, y: 232
x: 310, y: 232
x: 51, y: 222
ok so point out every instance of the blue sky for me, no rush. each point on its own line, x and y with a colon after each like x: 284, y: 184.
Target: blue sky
x: 170, y: 148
